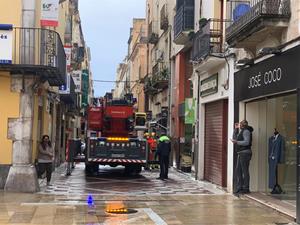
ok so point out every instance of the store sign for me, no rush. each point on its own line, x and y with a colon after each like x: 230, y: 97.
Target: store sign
x: 76, y: 75
x: 49, y: 13
x: 85, y: 88
x: 6, y: 43
x: 209, y: 86
x: 65, y: 89
x: 68, y: 52
x: 265, y: 78
x: 273, y: 75
x: 189, y: 115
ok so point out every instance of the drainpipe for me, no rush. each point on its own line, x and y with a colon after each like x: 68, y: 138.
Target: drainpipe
x: 170, y: 82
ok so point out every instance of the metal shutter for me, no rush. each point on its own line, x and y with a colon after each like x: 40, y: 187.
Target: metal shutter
x: 215, y: 147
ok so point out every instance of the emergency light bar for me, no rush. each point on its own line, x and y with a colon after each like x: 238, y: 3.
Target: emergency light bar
x: 117, y: 139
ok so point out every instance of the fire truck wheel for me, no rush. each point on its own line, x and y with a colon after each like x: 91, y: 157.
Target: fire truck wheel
x: 133, y: 169
x: 91, y: 169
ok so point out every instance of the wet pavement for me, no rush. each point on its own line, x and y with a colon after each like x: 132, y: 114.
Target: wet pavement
x: 113, y: 181
x: 179, y: 200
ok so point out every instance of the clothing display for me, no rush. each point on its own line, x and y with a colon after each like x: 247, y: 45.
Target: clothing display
x: 275, y: 156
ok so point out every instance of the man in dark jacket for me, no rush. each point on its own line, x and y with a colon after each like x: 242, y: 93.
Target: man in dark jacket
x: 163, y: 152
x: 242, y: 137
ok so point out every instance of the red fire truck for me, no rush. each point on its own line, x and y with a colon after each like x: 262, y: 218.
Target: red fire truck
x: 111, y: 140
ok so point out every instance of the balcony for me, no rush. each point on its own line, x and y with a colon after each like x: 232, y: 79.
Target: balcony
x: 255, y: 20
x: 152, y: 33
x: 164, y: 22
x: 183, y: 24
x: 148, y: 86
x: 160, y: 78
x: 38, y: 52
x: 209, y: 39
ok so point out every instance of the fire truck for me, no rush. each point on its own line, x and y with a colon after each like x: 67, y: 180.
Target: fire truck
x: 111, y: 136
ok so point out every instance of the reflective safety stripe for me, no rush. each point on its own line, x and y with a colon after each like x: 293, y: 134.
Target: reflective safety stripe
x: 117, y: 160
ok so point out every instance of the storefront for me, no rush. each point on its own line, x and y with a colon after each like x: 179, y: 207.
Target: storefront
x: 267, y: 95
x: 215, y: 113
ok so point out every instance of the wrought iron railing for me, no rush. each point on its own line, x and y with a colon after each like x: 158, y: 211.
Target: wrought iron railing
x: 152, y: 32
x: 160, y: 76
x: 164, y: 22
x: 38, y: 47
x: 243, y: 13
x: 183, y: 20
x: 209, y: 39
x: 148, y: 86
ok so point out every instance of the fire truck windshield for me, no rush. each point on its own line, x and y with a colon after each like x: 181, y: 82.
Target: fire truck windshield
x: 118, y: 102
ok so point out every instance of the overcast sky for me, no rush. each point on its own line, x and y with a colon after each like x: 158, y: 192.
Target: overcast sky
x: 106, y: 25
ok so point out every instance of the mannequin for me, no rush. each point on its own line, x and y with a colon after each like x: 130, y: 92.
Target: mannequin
x: 275, y: 156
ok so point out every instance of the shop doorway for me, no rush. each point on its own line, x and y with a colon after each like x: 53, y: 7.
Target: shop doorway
x: 215, y: 142
x: 264, y: 116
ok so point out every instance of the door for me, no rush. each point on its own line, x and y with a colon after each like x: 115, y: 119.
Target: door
x: 215, y: 146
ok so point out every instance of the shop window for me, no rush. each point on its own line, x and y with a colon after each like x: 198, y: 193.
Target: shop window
x: 266, y: 115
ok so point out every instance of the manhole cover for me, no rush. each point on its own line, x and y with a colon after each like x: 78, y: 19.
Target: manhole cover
x: 121, y: 211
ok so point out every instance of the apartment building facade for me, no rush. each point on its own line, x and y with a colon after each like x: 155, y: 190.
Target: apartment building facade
x: 122, y: 80
x: 137, y: 50
x: 159, y: 21
x: 36, y: 88
x: 229, y: 60
x: 266, y: 90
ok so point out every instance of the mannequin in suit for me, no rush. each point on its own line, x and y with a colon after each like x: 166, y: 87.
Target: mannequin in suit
x: 275, y: 156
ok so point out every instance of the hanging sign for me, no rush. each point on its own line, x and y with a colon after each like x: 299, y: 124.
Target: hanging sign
x: 6, y: 43
x: 65, y: 89
x: 49, y: 13
x: 189, y: 115
x: 76, y: 75
x: 68, y: 51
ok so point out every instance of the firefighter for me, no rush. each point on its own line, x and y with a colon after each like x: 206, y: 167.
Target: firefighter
x: 152, y: 147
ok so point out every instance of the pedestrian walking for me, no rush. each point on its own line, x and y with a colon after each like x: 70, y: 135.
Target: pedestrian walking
x: 242, y: 138
x: 163, y: 152
x: 45, y: 158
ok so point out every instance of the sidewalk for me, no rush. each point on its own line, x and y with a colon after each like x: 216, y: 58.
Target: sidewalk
x: 282, y: 207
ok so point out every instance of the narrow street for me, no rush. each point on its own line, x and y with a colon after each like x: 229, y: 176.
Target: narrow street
x: 178, y: 201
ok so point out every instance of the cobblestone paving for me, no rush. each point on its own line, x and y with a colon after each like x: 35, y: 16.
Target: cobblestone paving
x: 178, y: 201
x: 112, y: 181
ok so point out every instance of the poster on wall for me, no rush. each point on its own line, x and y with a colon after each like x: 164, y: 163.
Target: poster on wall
x: 6, y: 43
x: 49, y: 13
x: 76, y: 75
x: 189, y: 114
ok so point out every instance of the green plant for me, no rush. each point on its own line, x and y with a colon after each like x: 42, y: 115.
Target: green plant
x: 164, y: 74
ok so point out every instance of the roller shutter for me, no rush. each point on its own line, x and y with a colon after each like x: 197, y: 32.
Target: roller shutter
x: 215, y: 152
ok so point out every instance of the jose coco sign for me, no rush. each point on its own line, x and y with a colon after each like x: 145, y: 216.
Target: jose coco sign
x: 265, y: 78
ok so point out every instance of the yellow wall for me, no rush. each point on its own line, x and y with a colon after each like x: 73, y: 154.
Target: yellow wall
x: 10, y: 12
x: 11, y: 110
x: 217, y: 9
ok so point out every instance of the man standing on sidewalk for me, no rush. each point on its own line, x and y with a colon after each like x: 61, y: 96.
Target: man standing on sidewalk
x: 242, y: 137
x: 163, y: 152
